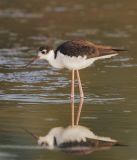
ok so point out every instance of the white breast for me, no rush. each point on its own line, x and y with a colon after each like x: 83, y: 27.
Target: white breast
x: 75, y: 62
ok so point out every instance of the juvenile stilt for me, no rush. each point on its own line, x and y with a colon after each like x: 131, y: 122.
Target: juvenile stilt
x: 75, y: 55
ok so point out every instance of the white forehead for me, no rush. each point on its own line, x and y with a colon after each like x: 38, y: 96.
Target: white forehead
x: 48, y: 139
x: 44, y: 50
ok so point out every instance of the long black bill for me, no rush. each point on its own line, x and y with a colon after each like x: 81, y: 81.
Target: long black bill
x: 32, y: 134
x: 33, y: 60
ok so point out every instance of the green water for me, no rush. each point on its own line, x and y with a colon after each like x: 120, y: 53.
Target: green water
x: 38, y: 98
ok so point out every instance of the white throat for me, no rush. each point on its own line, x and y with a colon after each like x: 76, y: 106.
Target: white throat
x: 55, y: 62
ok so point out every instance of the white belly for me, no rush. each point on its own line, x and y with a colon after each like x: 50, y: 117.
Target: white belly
x: 77, y: 63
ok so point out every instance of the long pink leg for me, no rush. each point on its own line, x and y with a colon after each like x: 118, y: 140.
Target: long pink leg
x: 72, y: 84
x: 79, y: 110
x: 80, y: 85
x: 72, y: 96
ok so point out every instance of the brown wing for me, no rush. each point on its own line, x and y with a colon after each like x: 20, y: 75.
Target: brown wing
x: 106, y: 50
x: 77, y: 48
x: 90, y: 143
x: 85, y: 48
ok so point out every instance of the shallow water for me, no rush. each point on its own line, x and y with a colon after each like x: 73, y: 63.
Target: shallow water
x: 37, y: 98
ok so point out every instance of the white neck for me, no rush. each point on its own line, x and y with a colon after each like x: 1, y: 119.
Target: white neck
x: 55, y: 62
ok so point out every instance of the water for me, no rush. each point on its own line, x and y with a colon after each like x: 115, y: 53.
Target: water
x: 38, y: 98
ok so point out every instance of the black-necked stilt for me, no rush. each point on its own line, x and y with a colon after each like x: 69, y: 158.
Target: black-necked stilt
x: 77, y: 140
x: 75, y: 55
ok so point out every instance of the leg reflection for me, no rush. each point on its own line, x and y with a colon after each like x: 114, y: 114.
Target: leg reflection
x: 78, y: 113
x: 72, y: 112
x: 79, y: 110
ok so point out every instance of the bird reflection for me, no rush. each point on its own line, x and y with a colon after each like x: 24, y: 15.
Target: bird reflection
x: 77, y: 140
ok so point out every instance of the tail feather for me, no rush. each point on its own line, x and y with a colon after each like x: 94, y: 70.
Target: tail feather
x: 120, y: 144
x: 106, y: 50
x: 119, y: 49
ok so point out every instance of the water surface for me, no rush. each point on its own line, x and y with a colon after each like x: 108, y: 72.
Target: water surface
x: 38, y: 98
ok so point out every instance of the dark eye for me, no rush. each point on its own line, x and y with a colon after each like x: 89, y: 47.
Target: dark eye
x: 42, y: 144
x: 43, y: 52
x: 46, y: 144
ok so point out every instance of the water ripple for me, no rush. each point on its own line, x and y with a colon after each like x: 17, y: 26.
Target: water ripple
x: 17, y: 13
x: 20, y: 147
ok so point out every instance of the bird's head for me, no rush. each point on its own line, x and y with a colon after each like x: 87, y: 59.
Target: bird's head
x: 48, y: 142
x: 43, y: 53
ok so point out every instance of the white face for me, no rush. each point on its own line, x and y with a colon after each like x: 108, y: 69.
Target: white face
x: 42, y: 54
x: 42, y: 142
x: 46, y: 142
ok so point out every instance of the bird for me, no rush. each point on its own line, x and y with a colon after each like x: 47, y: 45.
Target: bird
x: 75, y: 55
x: 76, y: 140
